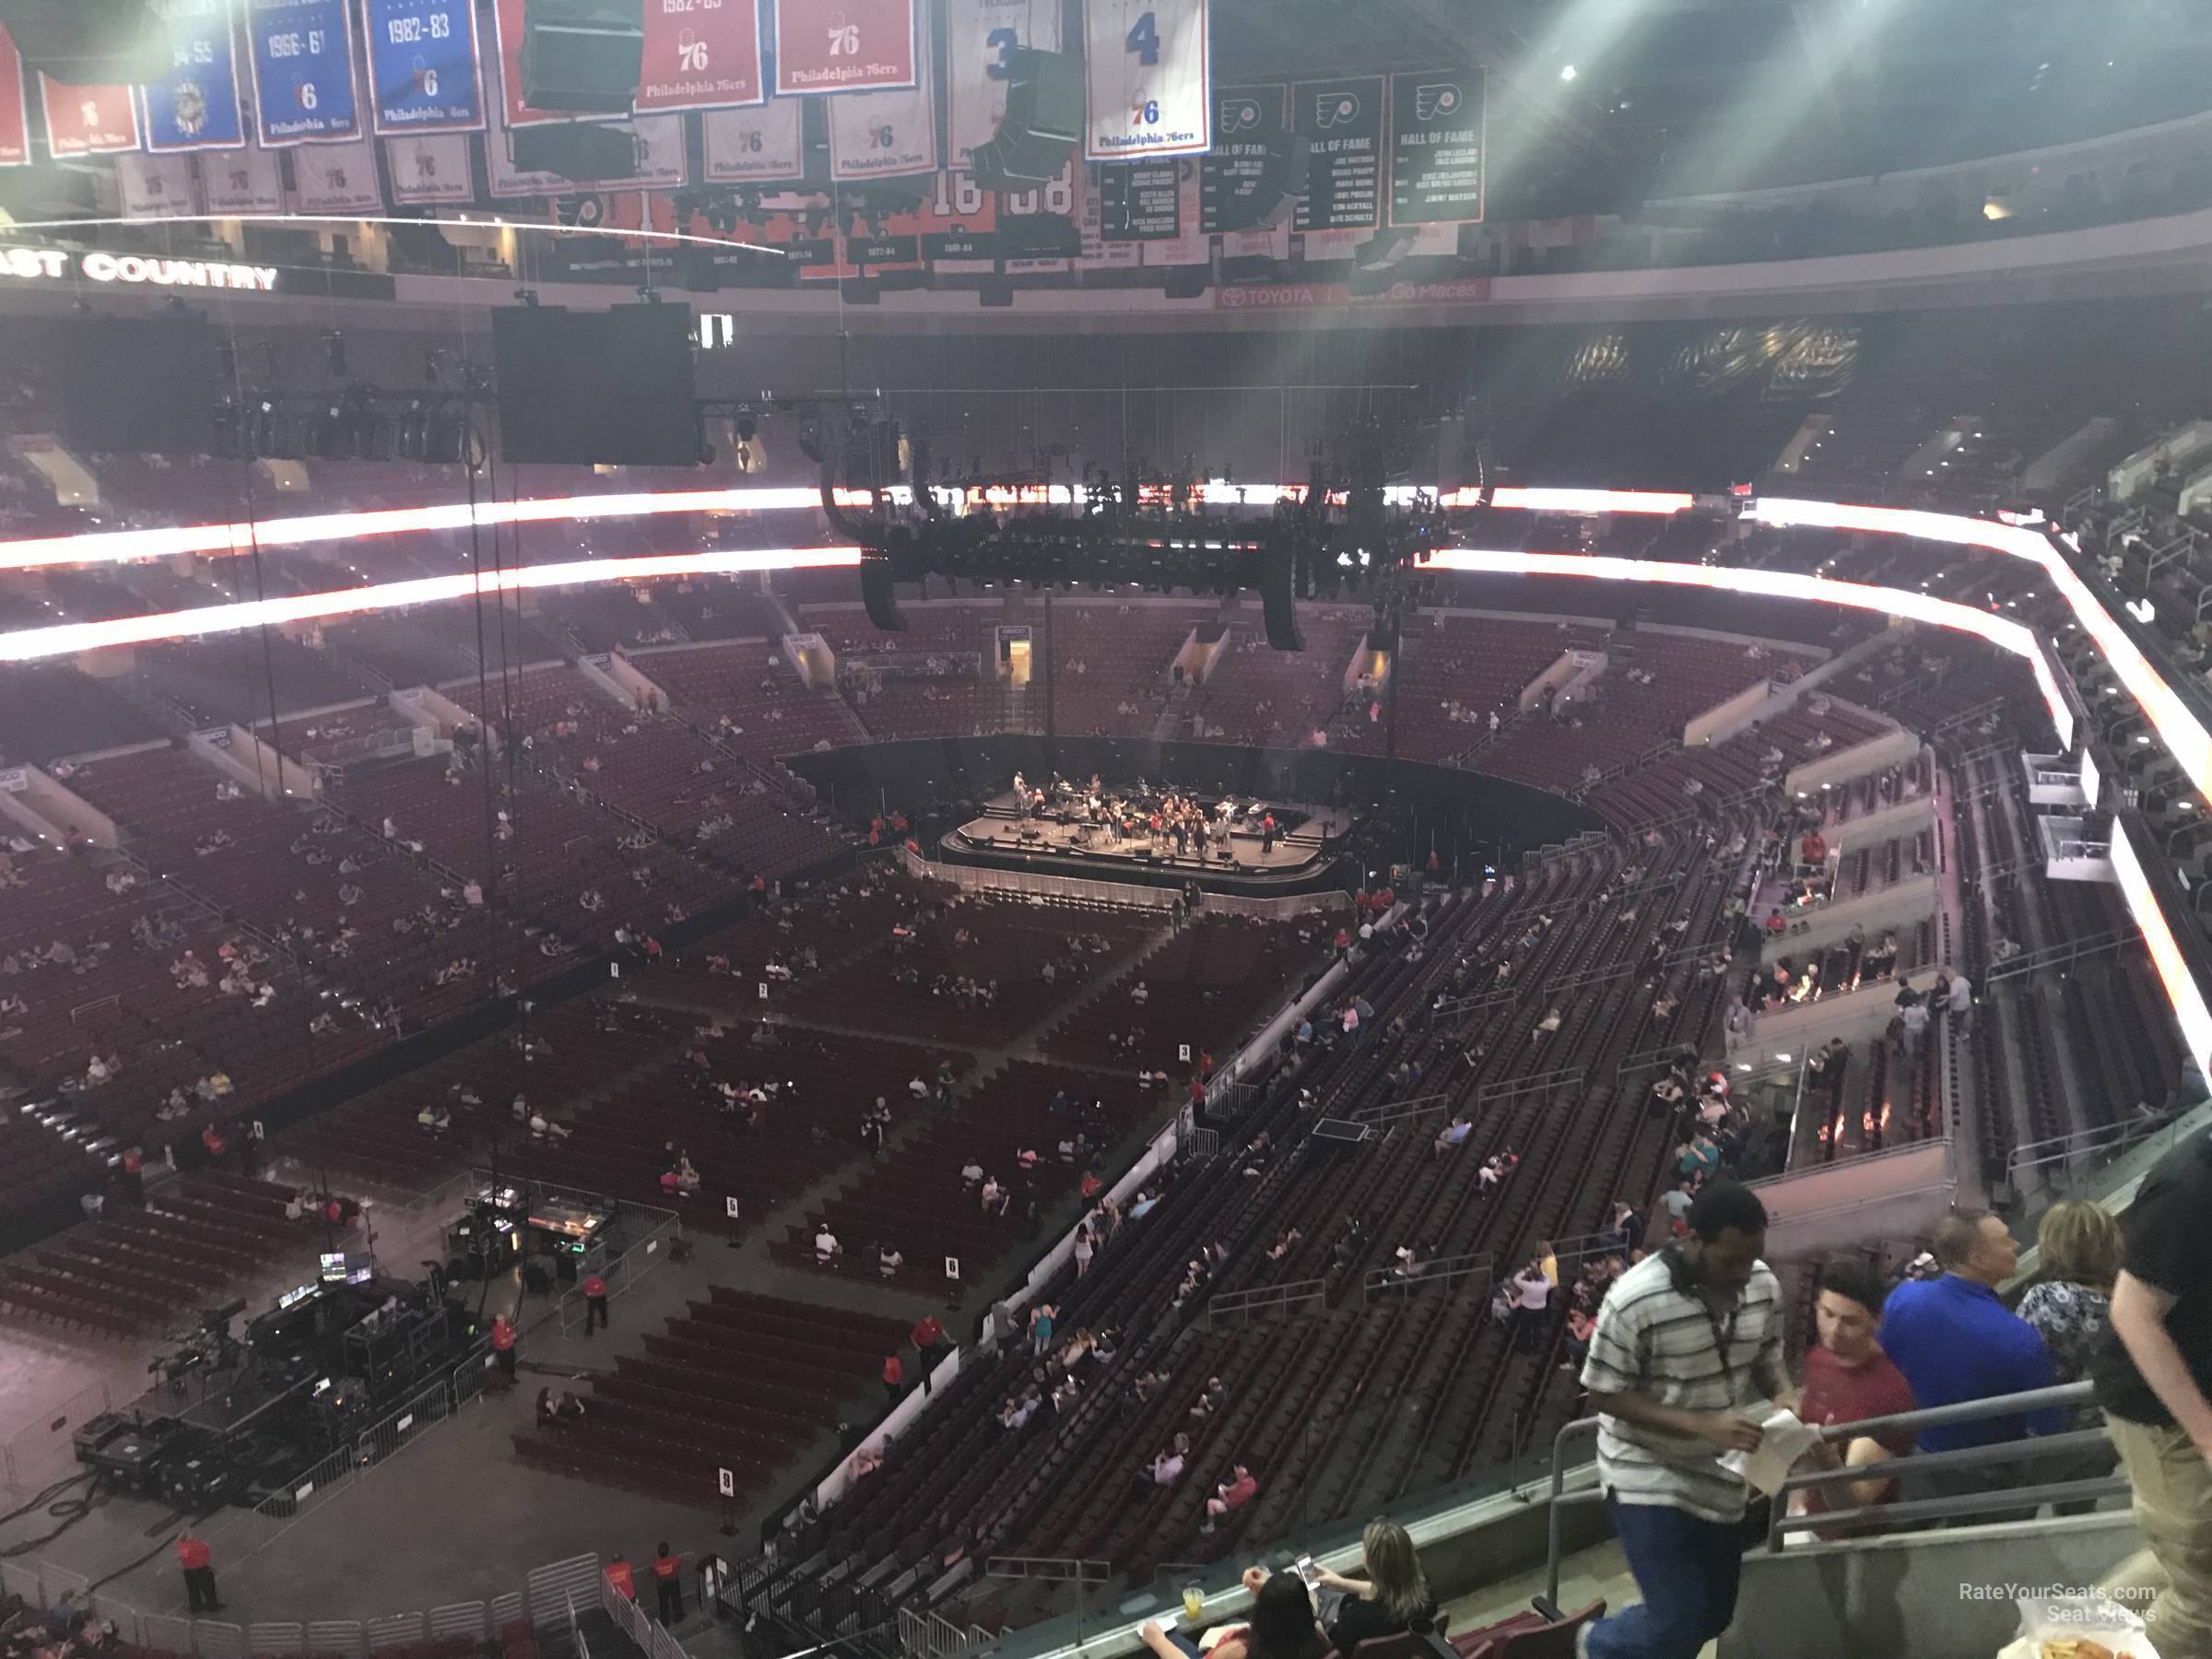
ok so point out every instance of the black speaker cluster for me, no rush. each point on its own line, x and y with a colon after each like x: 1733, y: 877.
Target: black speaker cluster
x: 1044, y: 122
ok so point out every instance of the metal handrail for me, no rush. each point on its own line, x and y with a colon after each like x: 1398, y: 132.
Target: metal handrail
x: 1864, y: 1518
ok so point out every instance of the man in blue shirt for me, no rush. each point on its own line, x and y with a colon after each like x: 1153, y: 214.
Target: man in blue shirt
x: 1955, y: 1341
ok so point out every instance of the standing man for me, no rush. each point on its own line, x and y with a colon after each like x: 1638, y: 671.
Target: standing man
x: 594, y: 1304
x: 1686, y: 1354
x: 2153, y: 1383
x: 503, y: 1345
x: 894, y: 1377
x: 668, y: 1585
x: 1955, y: 1341
x: 928, y: 1336
x: 193, y: 1557
x: 1532, y: 1298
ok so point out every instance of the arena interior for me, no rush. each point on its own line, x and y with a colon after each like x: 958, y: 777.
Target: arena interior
x: 976, y: 834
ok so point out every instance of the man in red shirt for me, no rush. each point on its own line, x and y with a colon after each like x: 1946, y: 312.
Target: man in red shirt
x: 193, y: 1556
x: 1231, y: 1496
x: 617, y: 1574
x: 928, y: 1337
x: 1847, y: 1379
x: 1812, y: 851
x: 668, y: 1585
x: 894, y: 1377
x: 594, y: 1304
x: 503, y: 1345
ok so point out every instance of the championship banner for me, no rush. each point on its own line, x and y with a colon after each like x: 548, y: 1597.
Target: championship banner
x: 1149, y: 77
x: 1342, y: 123
x: 300, y: 57
x: 701, y: 57
x: 246, y: 182
x: 885, y: 135
x: 1436, y: 147
x: 88, y: 120
x: 980, y: 37
x: 755, y: 146
x: 338, y: 178
x: 155, y: 187
x: 429, y: 167
x: 423, y: 72
x: 15, y: 107
x: 845, y: 46
x: 507, y: 37
x: 195, y: 106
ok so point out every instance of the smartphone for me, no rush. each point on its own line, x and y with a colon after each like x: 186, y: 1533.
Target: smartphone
x: 1306, y: 1570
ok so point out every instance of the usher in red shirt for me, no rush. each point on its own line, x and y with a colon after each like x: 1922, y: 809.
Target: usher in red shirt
x: 1839, y: 1394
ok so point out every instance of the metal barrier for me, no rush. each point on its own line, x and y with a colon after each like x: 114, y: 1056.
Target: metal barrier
x: 39, y: 1452
x: 650, y: 1634
x: 1443, y: 1270
x: 1411, y: 1106
x: 1294, y: 1293
x: 247, y: 1532
x: 1507, y: 1088
x: 1869, y: 1520
x: 975, y: 879
x: 2061, y: 956
x: 629, y: 1267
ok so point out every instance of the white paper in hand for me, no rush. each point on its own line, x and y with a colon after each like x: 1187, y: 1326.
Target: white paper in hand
x: 1783, y: 1440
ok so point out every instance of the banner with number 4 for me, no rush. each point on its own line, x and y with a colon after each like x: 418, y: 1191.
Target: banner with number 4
x: 1149, y: 75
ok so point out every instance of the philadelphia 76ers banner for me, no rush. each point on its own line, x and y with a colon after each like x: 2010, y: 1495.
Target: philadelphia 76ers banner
x: 1150, y: 78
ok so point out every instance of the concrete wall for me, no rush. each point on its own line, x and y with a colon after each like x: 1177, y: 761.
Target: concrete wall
x: 1902, y: 818
x: 1840, y: 766
x: 1724, y: 719
x: 44, y: 811
x: 427, y: 706
x: 1854, y: 1016
x: 1893, y: 1194
x: 2057, y: 465
x: 1910, y: 902
x: 1938, y: 1594
x: 252, y: 764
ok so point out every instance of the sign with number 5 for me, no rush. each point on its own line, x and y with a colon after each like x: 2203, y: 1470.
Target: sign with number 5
x: 1150, y: 75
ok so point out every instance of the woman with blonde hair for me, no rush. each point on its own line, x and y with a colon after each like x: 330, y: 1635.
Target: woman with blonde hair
x: 2071, y: 1306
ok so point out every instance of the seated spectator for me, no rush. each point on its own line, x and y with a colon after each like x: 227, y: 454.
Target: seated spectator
x: 1230, y: 1496
x: 826, y: 1250
x: 1166, y: 1467
x: 1392, y: 1597
x: 1281, y: 1625
x: 1452, y: 1136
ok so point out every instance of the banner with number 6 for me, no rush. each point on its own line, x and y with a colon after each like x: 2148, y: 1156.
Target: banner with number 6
x: 1150, y: 73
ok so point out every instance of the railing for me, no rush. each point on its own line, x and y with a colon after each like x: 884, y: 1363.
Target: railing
x: 629, y: 1267
x: 42, y: 1450
x: 247, y: 1532
x: 1382, y: 1281
x: 2066, y: 1148
x: 1552, y: 852
x: 543, y: 1600
x: 650, y: 1634
x: 1412, y: 1106
x: 1878, y: 1517
x: 971, y: 879
x: 2063, y: 955
x: 1507, y: 1088
x: 1220, y: 1310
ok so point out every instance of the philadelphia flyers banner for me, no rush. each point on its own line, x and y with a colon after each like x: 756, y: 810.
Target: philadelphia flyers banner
x: 885, y: 135
x: 844, y: 46
x: 15, y: 117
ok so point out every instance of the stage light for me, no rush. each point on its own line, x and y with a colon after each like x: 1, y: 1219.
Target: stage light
x: 1568, y: 73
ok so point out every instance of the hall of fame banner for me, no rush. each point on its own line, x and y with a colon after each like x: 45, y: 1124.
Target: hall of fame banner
x: 763, y: 146
x: 306, y: 89
x: 195, y: 106
x: 15, y: 107
x: 981, y: 39
x: 885, y: 135
x: 424, y: 75
x: 845, y: 46
x: 1149, y: 75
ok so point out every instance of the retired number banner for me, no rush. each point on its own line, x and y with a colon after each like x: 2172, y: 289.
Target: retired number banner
x: 700, y: 54
x: 15, y: 107
x: 300, y: 54
x: 844, y: 46
x: 885, y: 135
x: 1149, y: 77
x: 981, y: 37
x: 194, y: 107
x: 423, y: 74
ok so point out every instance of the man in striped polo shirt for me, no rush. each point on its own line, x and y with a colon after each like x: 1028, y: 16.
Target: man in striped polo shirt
x: 1686, y: 1355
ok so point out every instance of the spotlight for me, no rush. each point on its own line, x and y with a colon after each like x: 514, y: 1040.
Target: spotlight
x: 1568, y: 73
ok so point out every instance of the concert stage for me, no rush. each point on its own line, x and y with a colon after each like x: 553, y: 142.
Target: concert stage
x: 1061, y: 841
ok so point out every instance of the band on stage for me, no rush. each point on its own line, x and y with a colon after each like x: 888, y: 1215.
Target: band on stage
x: 1162, y: 817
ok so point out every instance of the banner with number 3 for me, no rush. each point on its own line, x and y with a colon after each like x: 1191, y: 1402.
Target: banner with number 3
x: 1149, y: 75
